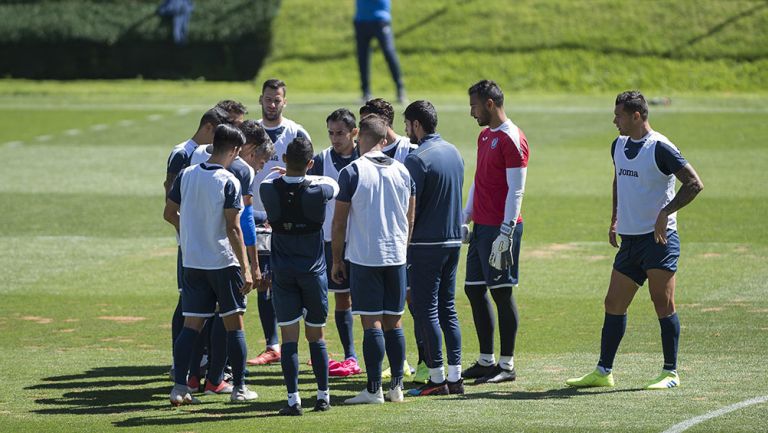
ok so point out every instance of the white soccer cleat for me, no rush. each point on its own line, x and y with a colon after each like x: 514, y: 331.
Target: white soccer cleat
x: 395, y: 395
x: 366, y: 397
x: 180, y: 395
x: 242, y: 393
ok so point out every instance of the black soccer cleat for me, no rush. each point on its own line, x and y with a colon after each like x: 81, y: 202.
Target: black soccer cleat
x: 456, y: 387
x: 477, y: 371
x: 498, y: 375
x: 322, y: 406
x: 294, y: 410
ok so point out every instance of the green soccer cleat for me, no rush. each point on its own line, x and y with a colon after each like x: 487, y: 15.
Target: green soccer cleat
x: 667, y: 379
x: 422, y: 373
x: 407, y: 371
x: 593, y: 379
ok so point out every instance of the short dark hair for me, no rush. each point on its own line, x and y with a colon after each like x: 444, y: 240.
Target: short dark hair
x: 231, y: 106
x: 227, y: 137
x: 298, y: 153
x: 487, y: 89
x: 380, y: 107
x: 215, y: 116
x: 343, y: 115
x: 254, y: 133
x: 373, y: 126
x: 274, y: 84
x: 633, y: 101
x: 424, y: 112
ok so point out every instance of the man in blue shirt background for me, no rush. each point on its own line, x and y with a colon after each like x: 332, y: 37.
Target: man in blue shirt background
x: 373, y: 19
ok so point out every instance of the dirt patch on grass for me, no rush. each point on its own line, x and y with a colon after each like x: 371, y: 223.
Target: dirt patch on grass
x: 551, y: 251
x: 711, y: 309
x: 71, y: 320
x: 711, y: 255
x: 37, y: 319
x: 123, y: 319
x: 163, y: 252
x: 65, y: 331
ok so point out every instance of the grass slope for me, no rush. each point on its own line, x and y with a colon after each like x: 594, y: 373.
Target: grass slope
x: 88, y: 270
x: 533, y: 45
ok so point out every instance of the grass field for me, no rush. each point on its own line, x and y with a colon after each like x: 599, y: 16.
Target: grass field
x: 87, y: 270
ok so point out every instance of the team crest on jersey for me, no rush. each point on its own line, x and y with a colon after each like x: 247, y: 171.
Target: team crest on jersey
x: 494, y: 143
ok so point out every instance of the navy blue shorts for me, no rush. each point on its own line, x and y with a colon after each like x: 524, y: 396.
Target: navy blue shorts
x: 479, y: 272
x: 203, y: 288
x: 300, y: 295
x: 638, y: 253
x: 332, y: 285
x: 377, y: 289
x: 179, y: 270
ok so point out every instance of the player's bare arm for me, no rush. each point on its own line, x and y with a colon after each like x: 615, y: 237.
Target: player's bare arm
x: 171, y: 213
x: 169, y: 178
x: 612, y: 228
x: 338, y: 239
x: 411, y: 216
x: 235, y: 236
x: 691, y: 187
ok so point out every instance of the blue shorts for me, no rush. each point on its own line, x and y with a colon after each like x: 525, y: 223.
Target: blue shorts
x: 203, y: 288
x: 377, y: 289
x: 332, y: 285
x: 300, y: 295
x: 479, y: 272
x: 179, y: 270
x: 638, y: 253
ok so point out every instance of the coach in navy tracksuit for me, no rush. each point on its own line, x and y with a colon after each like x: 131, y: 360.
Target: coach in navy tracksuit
x: 437, y: 170
x: 295, y: 205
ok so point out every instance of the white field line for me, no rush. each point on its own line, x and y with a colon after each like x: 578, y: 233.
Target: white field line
x: 685, y: 425
x: 13, y: 144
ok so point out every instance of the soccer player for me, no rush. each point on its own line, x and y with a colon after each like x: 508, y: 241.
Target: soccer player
x: 204, y: 206
x: 236, y: 110
x: 437, y: 170
x: 374, y: 216
x: 398, y: 147
x: 644, y: 214
x: 281, y: 131
x: 178, y: 160
x: 373, y: 19
x: 295, y: 205
x: 342, y: 130
x: 494, y: 203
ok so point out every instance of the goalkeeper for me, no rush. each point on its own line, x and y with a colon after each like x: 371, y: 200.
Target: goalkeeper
x: 494, y: 203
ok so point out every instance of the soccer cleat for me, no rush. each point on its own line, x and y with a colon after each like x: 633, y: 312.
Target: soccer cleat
x: 193, y: 383
x: 332, y: 364
x: 180, y: 395
x: 422, y: 373
x: 430, y: 388
x: 294, y: 410
x: 395, y: 395
x: 322, y: 406
x: 347, y: 368
x: 498, y: 375
x: 593, y: 379
x: 269, y: 356
x: 222, y: 388
x: 242, y: 393
x: 366, y: 397
x: 456, y: 387
x: 667, y: 379
x: 407, y: 371
x: 477, y: 371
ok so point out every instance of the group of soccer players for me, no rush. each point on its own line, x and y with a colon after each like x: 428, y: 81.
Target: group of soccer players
x: 378, y: 219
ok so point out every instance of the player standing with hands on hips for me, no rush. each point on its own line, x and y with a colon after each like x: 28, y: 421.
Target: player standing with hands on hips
x: 644, y: 214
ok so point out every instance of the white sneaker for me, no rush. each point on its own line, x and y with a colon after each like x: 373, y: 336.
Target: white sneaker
x: 395, y: 395
x: 366, y: 397
x: 242, y: 393
x: 180, y: 395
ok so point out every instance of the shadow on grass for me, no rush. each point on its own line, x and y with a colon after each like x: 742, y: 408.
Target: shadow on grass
x: 555, y: 393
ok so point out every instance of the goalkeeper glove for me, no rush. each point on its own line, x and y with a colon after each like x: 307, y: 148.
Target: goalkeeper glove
x: 501, y: 250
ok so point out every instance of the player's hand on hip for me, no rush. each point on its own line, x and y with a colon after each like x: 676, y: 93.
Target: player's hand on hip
x: 338, y: 272
x: 612, y: 236
x: 660, y: 229
x: 501, y: 250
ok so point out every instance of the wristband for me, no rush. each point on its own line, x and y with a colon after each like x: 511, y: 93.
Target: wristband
x: 507, y: 229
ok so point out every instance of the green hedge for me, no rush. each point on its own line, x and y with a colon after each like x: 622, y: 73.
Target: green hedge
x: 227, y: 39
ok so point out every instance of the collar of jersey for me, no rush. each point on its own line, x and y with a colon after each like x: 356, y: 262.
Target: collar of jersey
x: 209, y: 166
x: 293, y: 179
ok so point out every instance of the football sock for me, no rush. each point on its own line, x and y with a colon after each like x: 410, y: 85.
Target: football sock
x: 508, y: 318
x: 268, y: 319
x: 289, y: 360
x: 670, y: 335
x: 238, y: 352
x: 177, y: 322
x: 217, y: 352
x: 373, y: 353
x: 614, y: 327
x: 437, y: 375
x: 319, y: 355
x: 324, y: 395
x: 345, y: 325
x: 182, y: 352
x: 507, y: 362
x: 482, y: 315
x: 486, y: 359
x: 395, y: 344
x: 293, y: 398
x: 454, y: 373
